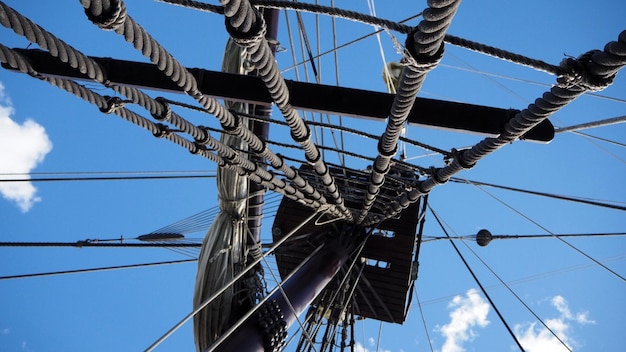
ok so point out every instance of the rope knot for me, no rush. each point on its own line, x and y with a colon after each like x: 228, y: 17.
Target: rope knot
x: 235, y: 128
x: 197, y: 148
x: 420, y: 61
x: 459, y: 156
x: 112, y: 104
x: 206, y: 136
x: 162, y: 130
x: 434, y: 174
x: 575, y: 74
x: 166, y: 111
x: 247, y: 38
x: 110, y: 18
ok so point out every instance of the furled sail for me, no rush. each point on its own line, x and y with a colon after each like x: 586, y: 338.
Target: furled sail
x: 223, y: 252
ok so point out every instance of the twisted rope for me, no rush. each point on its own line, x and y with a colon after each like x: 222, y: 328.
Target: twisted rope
x: 125, y: 25
x: 597, y: 70
x: 18, y: 62
x: 58, y: 48
x: 506, y: 55
x: 108, y: 15
x: 425, y: 46
x: 387, y: 24
x: 342, y: 128
x: 247, y: 28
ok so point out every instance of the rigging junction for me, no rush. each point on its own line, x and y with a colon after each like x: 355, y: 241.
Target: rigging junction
x: 358, y: 210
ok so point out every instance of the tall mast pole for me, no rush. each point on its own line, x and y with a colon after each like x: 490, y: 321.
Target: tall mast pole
x: 266, y: 330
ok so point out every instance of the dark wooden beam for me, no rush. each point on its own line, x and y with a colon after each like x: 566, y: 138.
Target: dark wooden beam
x: 306, y: 96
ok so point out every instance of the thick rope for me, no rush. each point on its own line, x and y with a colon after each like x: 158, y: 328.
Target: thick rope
x: 353, y: 131
x: 247, y: 28
x: 17, y: 61
x: 111, y: 19
x: 597, y: 69
x: 425, y: 47
x: 58, y: 48
x: 67, y: 54
x: 387, y: 24
x: 75, y: 59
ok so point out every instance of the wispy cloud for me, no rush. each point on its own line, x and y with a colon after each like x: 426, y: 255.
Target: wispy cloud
x: 22, y: 147
x: 358, y: 347
x: 536, y: 338
x: 561, y: 305
x: 468, y: 312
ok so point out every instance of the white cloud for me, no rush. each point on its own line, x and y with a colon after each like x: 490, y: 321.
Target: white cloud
x: 22, y: 147
x: 360, y: 348
x: 561, y: 305
x: 469, y: 311
x: 536, y: 338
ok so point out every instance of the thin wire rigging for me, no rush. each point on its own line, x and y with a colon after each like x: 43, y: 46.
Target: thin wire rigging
x: 502, y: 282
x: 568, y: 244
x: 108, y: 268
x: 329, y: 122
x: 603, y: 204
x: 228, y: 284
x: 495, y: 308
x: 519, y: 299
x: 419, y: 304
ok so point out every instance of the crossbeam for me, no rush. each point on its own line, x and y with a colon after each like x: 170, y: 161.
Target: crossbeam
x: 305, y: 96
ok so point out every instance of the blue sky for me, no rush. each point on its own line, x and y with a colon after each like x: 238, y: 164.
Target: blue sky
x: 127, y: 310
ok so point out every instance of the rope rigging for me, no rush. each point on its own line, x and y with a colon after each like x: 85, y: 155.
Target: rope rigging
x: 600, y: 68
x: 425, y: 48
x: 387, y: 24
x: 320, y: 187
x: 526, y: 279
x: 247, y: 29
x: 593, y: 124
x: 161, y: 131
x: 150, y: 48
x: 336, y: 48
x: 17, y: 61
x: 489, y: 237
x: 507, y: 286
x: 318, y: 169
x: 328, y: 126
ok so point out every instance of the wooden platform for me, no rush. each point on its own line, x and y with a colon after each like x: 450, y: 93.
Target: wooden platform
x: 389, y: 266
